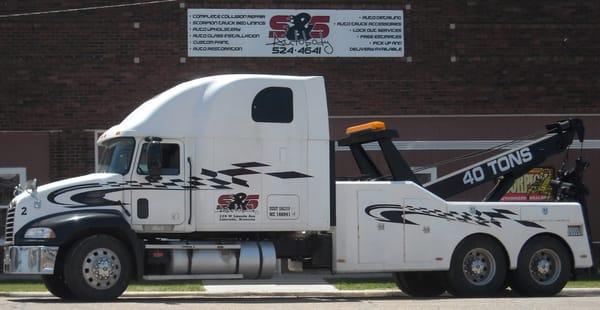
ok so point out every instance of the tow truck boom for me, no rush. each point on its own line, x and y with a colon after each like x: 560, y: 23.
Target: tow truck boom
x: 505, y: 168
x: 508, y: 166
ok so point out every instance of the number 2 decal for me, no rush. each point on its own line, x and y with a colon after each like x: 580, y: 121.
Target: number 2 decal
x: 23, y: 211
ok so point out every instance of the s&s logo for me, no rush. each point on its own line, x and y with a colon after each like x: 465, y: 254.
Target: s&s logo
x: 237, y: 202
x: 299, y: 27
x: 300, y: 34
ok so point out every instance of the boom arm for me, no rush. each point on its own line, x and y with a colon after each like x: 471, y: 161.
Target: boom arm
x: 505, y: 167
x: 508, y: 166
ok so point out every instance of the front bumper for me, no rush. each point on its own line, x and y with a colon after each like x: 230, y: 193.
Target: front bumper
x: 29, y: 259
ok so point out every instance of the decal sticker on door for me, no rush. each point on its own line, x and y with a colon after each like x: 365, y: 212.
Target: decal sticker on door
x: 239, y: 207
x: 283, y: 207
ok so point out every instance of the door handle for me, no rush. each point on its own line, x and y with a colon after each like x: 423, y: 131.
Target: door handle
x: 142, y: 208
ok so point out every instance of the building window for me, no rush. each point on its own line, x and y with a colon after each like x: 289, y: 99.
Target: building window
x: 273, y: 105
x: 169, y: 159
x: 9, y: 178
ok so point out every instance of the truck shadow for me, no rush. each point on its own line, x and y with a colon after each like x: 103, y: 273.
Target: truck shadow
x: 218, y: 300
x: 258, y: 300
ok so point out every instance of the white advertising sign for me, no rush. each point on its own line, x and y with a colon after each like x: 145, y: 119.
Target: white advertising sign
x: 295, y: 33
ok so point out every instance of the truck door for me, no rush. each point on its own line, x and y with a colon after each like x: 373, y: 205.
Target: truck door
x: 159, y: 202
x: 379, y: 242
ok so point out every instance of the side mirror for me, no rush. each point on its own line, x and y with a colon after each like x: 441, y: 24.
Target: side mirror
x: 153, y: 160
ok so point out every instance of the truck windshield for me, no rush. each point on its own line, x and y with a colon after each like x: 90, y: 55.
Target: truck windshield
x: 115, y: 155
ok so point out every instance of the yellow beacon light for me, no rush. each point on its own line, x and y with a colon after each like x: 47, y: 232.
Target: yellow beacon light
x: 372, y: 126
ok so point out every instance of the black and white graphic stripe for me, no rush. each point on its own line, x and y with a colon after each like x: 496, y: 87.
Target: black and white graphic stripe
x: 397, y: 214
x: 208, y: 180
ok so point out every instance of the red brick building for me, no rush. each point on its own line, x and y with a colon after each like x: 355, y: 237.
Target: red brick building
x: 473, y: 73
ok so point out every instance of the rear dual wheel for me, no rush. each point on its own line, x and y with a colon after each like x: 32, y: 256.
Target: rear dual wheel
x: 478, y: 268
x: 543, y: 268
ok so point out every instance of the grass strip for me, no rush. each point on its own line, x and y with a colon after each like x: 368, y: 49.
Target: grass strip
x: 167, y: 286
x: 362, y: 283
x: 22, y: 286
x: 585, y: 281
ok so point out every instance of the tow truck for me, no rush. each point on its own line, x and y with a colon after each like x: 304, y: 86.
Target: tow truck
x: 221, y: 177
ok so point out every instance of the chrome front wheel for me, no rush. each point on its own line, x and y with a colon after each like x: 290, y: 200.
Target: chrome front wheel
x: 101, y: 268
x: 98, y: 267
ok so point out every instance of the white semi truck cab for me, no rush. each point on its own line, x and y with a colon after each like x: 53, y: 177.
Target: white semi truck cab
x: 219, y: 177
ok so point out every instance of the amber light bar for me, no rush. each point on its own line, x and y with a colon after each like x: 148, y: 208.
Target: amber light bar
x: 371, y: 126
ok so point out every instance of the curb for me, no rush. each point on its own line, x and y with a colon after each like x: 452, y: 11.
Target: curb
x: 338, y: 294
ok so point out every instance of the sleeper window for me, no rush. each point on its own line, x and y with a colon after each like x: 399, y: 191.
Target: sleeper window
x: 273, y: 105
x: 169, y: 159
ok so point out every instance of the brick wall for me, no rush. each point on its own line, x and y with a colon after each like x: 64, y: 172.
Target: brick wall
x: 75, y: 71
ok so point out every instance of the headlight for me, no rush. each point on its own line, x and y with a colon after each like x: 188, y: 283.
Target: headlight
x: 40, y: 233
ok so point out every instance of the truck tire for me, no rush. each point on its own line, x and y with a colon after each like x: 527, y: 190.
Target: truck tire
x: 543, y: 268
x: 420, y: 283
x: 98, y: 267
x: 478, y: 268
x: 55, y: 284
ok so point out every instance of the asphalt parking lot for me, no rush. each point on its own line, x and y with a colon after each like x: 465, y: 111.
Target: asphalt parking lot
x: 568, y: 299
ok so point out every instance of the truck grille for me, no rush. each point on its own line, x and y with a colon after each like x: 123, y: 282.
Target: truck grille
x: 10, y: 222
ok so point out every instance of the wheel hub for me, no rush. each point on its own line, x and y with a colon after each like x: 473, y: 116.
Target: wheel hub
x: 101, y: 268
x: 545, y: 266
x: 479, y: 266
